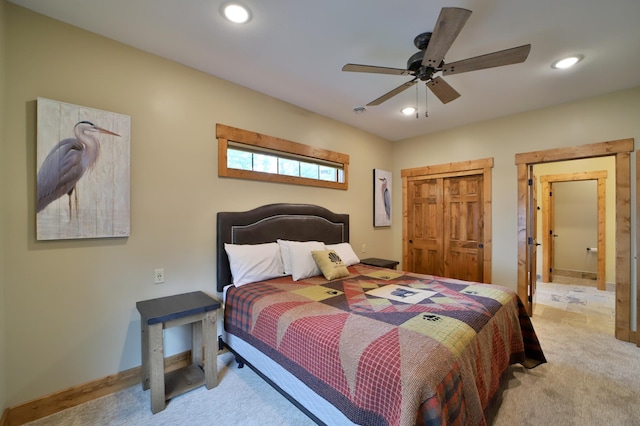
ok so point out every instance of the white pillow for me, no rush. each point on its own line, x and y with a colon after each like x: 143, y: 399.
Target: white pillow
x: 286, y: 257
x: 346, y: 253
x: 254, y: 262
x: 300, y: 259
x: 286, y: 248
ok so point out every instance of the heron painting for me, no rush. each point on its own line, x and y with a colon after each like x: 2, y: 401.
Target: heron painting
x: 381, y: 198
x: 83, y: 172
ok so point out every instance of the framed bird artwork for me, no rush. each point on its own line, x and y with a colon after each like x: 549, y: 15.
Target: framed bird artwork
x: 82, y: 185
x: 381, y: 198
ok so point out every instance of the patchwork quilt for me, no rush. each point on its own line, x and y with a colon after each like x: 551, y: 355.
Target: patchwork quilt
x: 388, y: 347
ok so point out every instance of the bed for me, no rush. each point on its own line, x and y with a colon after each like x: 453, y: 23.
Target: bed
x: 373, y: 347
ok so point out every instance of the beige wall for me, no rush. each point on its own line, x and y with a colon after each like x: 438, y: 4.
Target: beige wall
x: 3, y: 178
x: 599, y: 119
x: 575, y: 225
x: 70, y: 311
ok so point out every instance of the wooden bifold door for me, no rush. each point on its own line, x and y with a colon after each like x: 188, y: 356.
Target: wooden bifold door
x: 444, y: 227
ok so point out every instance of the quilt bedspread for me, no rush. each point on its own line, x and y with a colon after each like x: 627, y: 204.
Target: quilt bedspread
x: 387, y: 347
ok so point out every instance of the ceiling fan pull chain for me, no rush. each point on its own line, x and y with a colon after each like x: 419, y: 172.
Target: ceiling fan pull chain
x: 426, y: 103
x: 417, y: 113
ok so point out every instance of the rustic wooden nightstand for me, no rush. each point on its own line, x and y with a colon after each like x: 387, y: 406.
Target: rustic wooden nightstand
x: 383, y: 263
x: 196, y: 309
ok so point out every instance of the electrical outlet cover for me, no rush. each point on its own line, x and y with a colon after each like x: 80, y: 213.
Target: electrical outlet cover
x: 159, y: 276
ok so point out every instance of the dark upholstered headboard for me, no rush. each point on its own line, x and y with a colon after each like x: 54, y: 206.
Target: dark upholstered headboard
x: 265, y: 224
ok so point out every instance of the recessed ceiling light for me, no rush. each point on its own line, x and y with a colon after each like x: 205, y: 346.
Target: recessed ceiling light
x: 408, y: 110
x: 236, y: 12
x: 567, y: 62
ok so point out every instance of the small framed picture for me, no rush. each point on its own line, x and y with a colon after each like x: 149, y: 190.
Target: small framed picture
x: 381, y: 198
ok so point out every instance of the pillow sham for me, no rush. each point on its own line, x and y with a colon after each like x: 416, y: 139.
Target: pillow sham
x: 254, y: 262
x: 298, y: 255
x: 330, y: 264
x: 299, y: 252
x: 346, y: 253
x: 286, y: 257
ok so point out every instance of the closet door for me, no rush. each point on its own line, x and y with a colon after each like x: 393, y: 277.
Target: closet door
x: 463, y: 228
x: 424, y: 220
x: 445, y: 227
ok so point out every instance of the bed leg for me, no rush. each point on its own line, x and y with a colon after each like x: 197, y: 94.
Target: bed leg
x: 240, y: 362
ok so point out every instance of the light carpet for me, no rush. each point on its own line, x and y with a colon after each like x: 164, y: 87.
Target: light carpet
x: 241, y: 398
x: 590, y: 379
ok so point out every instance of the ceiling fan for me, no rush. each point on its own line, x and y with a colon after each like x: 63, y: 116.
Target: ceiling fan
x: 430, y: 59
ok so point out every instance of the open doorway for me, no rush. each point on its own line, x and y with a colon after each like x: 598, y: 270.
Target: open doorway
x: 576, y: 232
x: 577, y: 216
x: 621, y: 150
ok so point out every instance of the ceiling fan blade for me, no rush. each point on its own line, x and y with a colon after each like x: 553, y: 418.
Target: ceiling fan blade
x: 449, y: 25
x: 514, y: 55
x: 392, y: 93
x: 375, y: 70
x: 442, y: 90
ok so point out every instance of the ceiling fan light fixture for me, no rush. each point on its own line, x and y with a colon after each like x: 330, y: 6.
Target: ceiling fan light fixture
x: 236, y: 12
x: 360, y: 110
x: 430, y: 59
x: 408, y: 110
x: 567, y: 62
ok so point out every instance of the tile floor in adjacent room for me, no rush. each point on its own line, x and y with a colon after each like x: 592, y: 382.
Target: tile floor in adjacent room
x: 576, y: 301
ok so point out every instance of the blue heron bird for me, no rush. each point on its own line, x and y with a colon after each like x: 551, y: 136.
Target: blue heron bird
x: 67, y: 162
x: 386, y: 197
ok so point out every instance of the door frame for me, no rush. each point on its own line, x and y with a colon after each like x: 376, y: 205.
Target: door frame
x: 621, y: 149
x: 463, y: 168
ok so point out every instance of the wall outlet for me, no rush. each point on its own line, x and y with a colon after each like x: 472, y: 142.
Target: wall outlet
x: 364, y: 248
x: 159, y: 276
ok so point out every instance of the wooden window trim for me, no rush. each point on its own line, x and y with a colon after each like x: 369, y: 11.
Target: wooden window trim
x: 226, y: 133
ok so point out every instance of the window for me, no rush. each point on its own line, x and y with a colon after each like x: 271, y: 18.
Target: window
x: 248, y: 155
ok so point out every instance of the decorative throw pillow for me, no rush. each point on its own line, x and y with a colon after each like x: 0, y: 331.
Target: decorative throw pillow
x: 330, y: 264
x: 254, y: 262
x: 346, y: 253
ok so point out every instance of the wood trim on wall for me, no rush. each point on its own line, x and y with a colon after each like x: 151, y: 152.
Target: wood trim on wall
x: 636, y: 334
x: 226, y: 134
x: 623, y: 241
x: 487, y: 232
x: 621, y: 149
x: 455, y: 168
x: 76, y: 395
